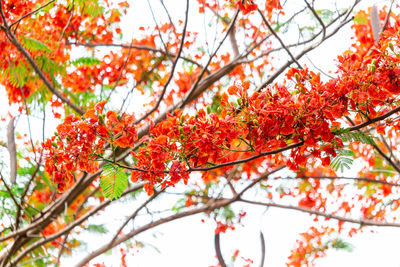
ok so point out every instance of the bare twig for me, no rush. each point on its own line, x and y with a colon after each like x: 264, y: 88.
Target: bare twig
x: 279, y: 39
x: 68, y: 22
x: 172, y: 69
x: 385, y: 23
x: 361, y: 222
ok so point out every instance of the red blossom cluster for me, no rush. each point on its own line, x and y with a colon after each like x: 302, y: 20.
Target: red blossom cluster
x: 245, y: 6
x: 45, y: 35
x: 310, y: 247
x: 308, y: 112
x: 80, y: 142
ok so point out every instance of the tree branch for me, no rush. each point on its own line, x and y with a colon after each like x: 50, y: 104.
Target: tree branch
x: 12, y: 38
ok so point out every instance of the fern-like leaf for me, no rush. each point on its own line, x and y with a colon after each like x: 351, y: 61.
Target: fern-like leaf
x: 342, y: 160
x: 91, y: 8
x: 34, y: 45
x: 113, y: 181
x: 17, y: 75
x: 357, y: 136
x: 85, y: 61
x: 97, y: 228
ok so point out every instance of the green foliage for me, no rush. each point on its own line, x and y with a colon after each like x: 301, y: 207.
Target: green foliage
x: 179, y: 205
x: 97, y: 228
x: 216, y: 103
x: 91, y: 8
x: 34, y: 45
x: 343, y: 159
x: 225, y: 214
x: 356, y: 136
x: 326, y: 15
x: 281, y: 27
x: 338, y: 243
x: 85, y: 61
x: 113, y: 181
x: 49, y: 66
x: 28, y: 170
x: 17, y: 74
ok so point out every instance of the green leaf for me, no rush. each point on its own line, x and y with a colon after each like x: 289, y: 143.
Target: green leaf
x: 113, y: 181
x: 338, y: 243
x: 356, y: 136
x: 179, y: 205
x: 91, y: 8
x: 342, y: 160
x: 34, y: 45
x: 17, y: 74
x: 85, y: 61
x: 325, y: 14
x: 97, y: 228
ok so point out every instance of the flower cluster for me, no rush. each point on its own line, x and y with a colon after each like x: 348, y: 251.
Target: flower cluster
x: 80, y: 142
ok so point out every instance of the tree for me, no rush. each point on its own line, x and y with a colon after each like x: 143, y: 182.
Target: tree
x: 232, y: 110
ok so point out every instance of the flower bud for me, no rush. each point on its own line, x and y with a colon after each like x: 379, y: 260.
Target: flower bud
x: 372, y: 69
x: 101, y: 118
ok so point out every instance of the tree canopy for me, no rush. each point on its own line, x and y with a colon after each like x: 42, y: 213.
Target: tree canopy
x: 200, y: 105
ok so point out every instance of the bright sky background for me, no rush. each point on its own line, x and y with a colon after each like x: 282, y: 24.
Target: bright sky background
x: 190, y: 242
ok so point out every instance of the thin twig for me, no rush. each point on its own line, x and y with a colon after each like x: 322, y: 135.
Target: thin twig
x: 279, y: 39
x: 160, y: 99
x: 30, y: 13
